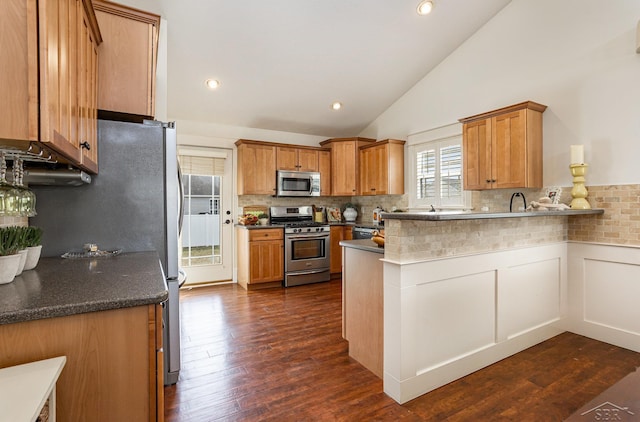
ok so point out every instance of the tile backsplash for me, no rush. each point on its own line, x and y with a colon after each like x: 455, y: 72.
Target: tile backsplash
x: 620, y: 223
x: 364, y: 204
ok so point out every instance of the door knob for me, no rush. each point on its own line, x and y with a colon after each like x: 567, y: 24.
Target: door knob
x: 227, y: 221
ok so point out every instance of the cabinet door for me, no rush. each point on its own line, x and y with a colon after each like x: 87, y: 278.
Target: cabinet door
x: 324, y: 167
x: 88, y: 94
x: 266, y: 261
x: 59, y: 25
x: 477, y: 154
x: 287, y: 158
x: 508, y: 150
x: 19, y: 76
x: 128, y: 58
x: 374, y: 171
x: 307, y: 160
x: 336, y: 235
x: 344, y: 176
x: 257, y: 169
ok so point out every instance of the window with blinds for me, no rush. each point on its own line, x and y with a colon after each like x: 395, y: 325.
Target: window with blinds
x: 438, y: 174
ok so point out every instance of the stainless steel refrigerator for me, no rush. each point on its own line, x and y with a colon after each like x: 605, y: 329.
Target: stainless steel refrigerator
x: 133, y: 204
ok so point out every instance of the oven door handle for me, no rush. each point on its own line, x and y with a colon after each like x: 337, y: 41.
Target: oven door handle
x: 322, y: 270
x: 326, y: 236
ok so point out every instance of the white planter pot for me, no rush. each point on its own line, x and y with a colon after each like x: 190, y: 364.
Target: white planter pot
x: 23, y: 260
x: 350, y: 214
x: 263, y: 221
x: 8, y: 267
x: 33, y: 255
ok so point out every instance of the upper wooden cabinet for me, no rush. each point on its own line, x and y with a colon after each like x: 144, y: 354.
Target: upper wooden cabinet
x: 345, y: 168
x: 297, y: 159
x: 128, y: 58
x: 46, y: 76
x: 256, y: 168
x: 382, y: 168
x: 88, y: 93
x: 258, y: 162
x: 503, y: 148
x: 324, y: 167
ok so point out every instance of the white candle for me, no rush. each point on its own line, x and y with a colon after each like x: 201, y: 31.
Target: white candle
x: 577, y: 154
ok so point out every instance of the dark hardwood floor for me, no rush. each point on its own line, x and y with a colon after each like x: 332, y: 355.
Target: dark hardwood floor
x: 278, y: 355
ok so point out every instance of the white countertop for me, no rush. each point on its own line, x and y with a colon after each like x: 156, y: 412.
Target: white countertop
x: 24, y: 389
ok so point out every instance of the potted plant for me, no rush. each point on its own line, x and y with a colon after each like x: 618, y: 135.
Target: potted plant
x: 9, y: 257
x: 22, y: 234
x: 350, y: 213
x: 34, y: 247
x: 263, y: 219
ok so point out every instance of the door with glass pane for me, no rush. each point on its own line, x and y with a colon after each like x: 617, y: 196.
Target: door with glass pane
x: 206, y: 250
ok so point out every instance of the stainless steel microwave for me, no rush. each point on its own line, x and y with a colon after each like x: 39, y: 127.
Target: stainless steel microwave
x: 297, y: 183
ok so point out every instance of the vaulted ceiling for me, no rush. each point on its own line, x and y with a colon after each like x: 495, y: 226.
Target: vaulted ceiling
x: 281, y: 63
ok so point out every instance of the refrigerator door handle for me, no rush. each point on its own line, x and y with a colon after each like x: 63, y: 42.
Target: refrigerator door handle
x: 180, y: 199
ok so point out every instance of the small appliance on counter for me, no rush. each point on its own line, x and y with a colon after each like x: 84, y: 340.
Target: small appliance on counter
x: 377, y: 215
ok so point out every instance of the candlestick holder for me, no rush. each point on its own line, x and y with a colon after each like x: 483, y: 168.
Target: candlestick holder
x: 579, y: 191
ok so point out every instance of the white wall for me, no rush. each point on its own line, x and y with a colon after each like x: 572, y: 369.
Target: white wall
x: 575, y: 56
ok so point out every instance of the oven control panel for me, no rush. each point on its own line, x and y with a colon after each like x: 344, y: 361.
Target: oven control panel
x: 301, y: 230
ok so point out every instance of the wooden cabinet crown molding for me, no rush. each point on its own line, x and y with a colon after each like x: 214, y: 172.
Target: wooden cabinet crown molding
x: 361, y: 141
x: 383, y: 142
x: 277, y: 144
x: 526, y: 104
x: 127, y: 12
x: 90, y: 10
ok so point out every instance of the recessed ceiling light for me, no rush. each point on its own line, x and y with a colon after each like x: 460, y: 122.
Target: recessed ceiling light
x: 336, y: 105
x: 425, y: 7
x: 212, y: 83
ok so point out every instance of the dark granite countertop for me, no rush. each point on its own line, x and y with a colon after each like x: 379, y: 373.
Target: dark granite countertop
x: 60, y: 287
x: 447, y: 216
x: 333, y: 223
x: 362, y: 244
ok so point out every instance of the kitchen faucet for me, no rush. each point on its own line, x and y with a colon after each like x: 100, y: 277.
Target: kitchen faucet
x: 432, y: 209
x: 517, y: 194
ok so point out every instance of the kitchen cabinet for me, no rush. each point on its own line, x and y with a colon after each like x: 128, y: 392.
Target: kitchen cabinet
x: 260, y: 257
x: 345, y: 168
x: 114, y: 361
x: 337, y: 234
x: 88, y: 94
x: 296, y: 159
x: 382, y: 168
x: 43, y: 73
x: 503, y: 148
x: 363, y: 306
x: 258, y: 162
x: 256, y: 168
x: 128, y: 59
x: 324, y: 167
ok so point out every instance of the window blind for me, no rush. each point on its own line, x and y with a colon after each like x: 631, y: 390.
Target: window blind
x: 201, y: 161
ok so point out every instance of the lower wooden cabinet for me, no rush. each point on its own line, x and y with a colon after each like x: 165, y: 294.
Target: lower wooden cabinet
x: 114, y: 361
x: 337, y: 234
x: 260, y: 256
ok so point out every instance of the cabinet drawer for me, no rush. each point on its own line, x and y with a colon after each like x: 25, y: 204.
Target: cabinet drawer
x: 265, y: 234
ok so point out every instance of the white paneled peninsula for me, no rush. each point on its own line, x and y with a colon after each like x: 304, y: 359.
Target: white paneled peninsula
x: 462, y: 291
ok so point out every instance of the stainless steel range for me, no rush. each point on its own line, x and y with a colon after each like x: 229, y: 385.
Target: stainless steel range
x: 306, y: 245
